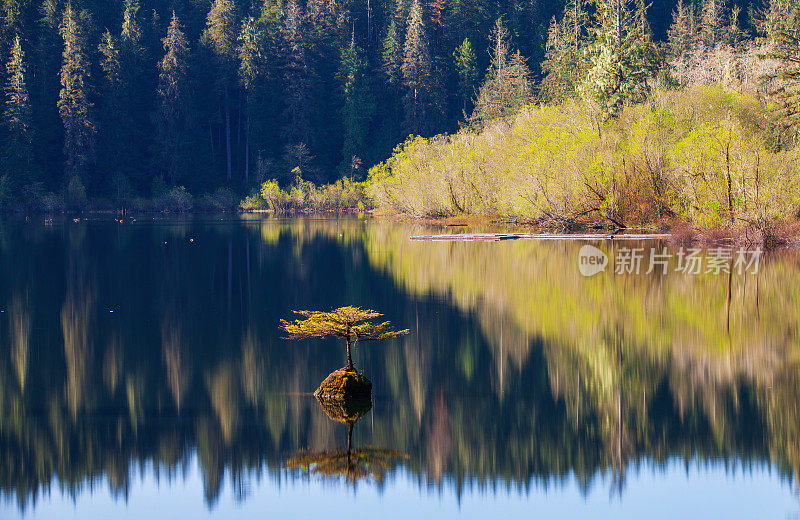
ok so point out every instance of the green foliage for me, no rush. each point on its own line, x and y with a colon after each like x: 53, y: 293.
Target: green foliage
x: 18, y: 145
x: 74, y: 105
x: 507, y: 87
x: 419, y: 101
x: 563, y: 64
x: 175, y: 200
x: 172, y: 115
x: 785, y: 95
x: 700, y: 155
x: 359, y: 103
x: 467, y: 70
x: 621, y: 57
x: 349, y: 323
x: 304, y: 196
x: 75, y: 195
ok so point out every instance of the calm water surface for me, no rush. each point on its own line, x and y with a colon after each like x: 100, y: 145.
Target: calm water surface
x: 142, y: 375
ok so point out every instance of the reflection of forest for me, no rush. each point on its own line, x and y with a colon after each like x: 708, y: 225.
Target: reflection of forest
x: 516, y: 369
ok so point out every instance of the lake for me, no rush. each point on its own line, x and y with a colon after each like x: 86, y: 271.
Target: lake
x: 143, y: 375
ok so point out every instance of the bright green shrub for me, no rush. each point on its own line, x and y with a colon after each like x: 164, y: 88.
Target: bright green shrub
x: 700, y: 154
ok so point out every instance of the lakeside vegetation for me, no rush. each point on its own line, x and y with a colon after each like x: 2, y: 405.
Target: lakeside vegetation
x: 702, y: 154
x: 562, y: 113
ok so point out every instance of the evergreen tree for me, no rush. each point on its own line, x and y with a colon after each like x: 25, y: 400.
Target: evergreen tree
x: 784, y: 93
x: 297, y: 130
x: 73, y: 104
x: 562, y: 63
x: 251, y: 71
x: 393, y: 55
x: 358, y: 102
x: 713, y: 26
x: 17, y: 118
x: 507, y: 86
x: 682, y: 40
x: 467, y: 70
x: 419, y: 101
x: 221, y: 32
x: 622, y: 57
x: 138, y: 81
x: 172, y: 117
x: 113, y: 105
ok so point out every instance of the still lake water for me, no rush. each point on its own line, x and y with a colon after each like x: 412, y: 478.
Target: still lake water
x: 142, y: 375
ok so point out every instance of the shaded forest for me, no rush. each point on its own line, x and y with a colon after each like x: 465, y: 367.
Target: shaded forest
x: 128, y: 98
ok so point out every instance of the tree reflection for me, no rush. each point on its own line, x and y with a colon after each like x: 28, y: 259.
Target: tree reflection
x: 352, y: 464
x: 518, y: 370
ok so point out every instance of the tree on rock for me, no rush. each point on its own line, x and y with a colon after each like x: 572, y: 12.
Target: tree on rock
x: 349, y: 323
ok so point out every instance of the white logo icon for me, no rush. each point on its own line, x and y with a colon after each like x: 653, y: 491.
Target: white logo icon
x: 591, y: 260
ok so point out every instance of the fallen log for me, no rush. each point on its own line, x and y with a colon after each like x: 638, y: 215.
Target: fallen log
x: 539, y: 236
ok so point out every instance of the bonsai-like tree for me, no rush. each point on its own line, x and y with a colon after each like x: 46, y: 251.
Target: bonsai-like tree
x: 350, y: 323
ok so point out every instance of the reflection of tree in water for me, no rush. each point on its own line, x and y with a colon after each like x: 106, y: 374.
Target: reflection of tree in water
x: 354, y: 464
x: 500, y: 382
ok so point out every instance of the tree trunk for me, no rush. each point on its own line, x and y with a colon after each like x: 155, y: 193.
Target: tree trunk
x: 228, y: 132
x: 349, y: 359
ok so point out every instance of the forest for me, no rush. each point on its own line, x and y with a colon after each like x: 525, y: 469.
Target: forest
x: 109, y: 101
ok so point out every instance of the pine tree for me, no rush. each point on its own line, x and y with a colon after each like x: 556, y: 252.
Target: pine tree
x: 221, y: 32
x: 358, y: 102
x: 785, y: 92
x: 467, y: 70
x: 73, y: 104
x: 682, y: 40
x: 393, y: 55
x: 17, y: 118
x: 622, y: 57
x: 712, y: 23
x: 419, y: 101
x: 113, y: 104
x: 172, y: 116
x: 298, y: 81
x: 507, y: 86
x: 562, y: 61
x: 251, y: 71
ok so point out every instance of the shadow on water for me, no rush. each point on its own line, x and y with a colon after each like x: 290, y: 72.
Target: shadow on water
x: 123, y: 345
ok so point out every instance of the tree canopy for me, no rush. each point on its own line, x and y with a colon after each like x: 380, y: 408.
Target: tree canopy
x: 349, y: 323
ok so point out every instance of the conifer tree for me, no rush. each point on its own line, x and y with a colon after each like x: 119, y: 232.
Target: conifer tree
x: 172, y: 115
x: 358, y: 102
x: 113, y: 104
x: 784, y: 94
x: 297, y: 130
x: 419, y: 101
x: 17, y: 118
x: 562, y: 62
x: 73, y: 104
x: 467, y: 70
x: 622, y: 57
x: 221, y: 32
x: 393, y: 55
x: 681, y: 37
x: 251, y: 70
x: 507, y: 86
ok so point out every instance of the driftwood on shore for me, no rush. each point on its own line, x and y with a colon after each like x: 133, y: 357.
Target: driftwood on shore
x: 539, y: 236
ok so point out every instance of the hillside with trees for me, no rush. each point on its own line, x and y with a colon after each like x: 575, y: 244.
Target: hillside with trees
x: 114, y: 100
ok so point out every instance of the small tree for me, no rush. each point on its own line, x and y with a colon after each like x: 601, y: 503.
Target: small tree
x: 350, y: 323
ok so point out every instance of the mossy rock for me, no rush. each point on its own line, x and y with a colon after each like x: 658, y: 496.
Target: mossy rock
x: 346, y: 411
x: 344, y: 384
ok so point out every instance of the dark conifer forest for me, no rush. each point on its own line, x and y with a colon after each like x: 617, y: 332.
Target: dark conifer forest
x: 129, y: 97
